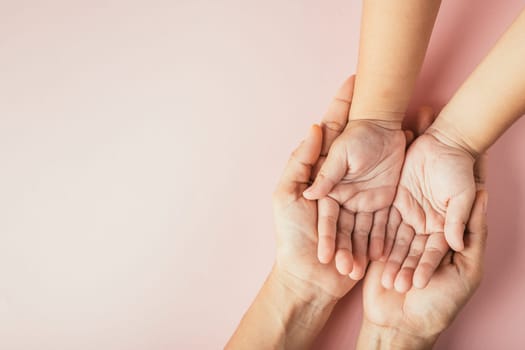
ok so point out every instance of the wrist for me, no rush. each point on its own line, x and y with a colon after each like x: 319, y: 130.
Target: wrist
x: 445, y: 131
x: 373, y: 336
x: 378, y: 97
x: 385, y: 123
x: 303, y: 292
x: 280, y: 318
x: 298, y: 306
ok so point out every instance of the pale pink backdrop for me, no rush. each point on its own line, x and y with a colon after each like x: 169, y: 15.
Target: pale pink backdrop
x: 140, y: 142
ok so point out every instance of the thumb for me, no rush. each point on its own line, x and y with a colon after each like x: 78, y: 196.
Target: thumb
x: 456, y: 218
x: 332, y: 171
x: 372, y: 286
x: 301, y: 162
x: 476, y: 234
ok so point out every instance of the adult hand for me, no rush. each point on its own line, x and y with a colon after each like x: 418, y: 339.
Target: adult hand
x: 355, y: 188
x: 299, y: 294
x: 296, y: 227
x: 415, y: 319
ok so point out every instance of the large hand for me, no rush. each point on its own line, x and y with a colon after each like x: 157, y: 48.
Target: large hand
x: 355, y: 188
x: 435, y: 196
x: 298, y: 296
x: 419, y: 315
x: 296, y: 227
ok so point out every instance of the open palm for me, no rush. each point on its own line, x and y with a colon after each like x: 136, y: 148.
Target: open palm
x: 355, y: 188
x: 427, y: 312
x: 434, y: 200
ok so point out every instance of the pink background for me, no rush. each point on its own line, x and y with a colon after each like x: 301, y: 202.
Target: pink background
x: 140, y: 142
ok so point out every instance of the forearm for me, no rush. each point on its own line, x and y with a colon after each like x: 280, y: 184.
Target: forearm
x: 493, y: 97
x: 279, y: 318
x: 394, y: 39
x: 373, y: 337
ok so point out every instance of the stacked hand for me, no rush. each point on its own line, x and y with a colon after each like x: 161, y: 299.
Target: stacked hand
x: 417, y: 317
x: 432, y: 206
x: 299, y: 294
x: 413, y: 212
x: 355, y: 188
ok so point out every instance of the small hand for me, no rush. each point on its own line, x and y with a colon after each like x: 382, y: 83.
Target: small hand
x: 432, y: 205
x: 355, y: 188
x: 424, y: 313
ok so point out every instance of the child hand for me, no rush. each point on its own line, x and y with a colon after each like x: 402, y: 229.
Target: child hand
x: 432, y: 206
x: 355, y: 188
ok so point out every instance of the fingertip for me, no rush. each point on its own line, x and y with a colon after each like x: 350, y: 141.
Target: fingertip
x: 323, y: 260
x: 357, y: 273
x: 324, y: 257
x: 459, y: 246
x: 419, y: 281
x: 313, y: 192
x: 308, y: 194
x: 387, y: 282
x: 401, y: 286
x: 316, y: 130
x: 454, y: 235
x: 456, y: 242
x: 344, y: 262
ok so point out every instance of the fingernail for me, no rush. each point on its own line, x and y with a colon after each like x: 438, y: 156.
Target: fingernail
x: 307, y: 192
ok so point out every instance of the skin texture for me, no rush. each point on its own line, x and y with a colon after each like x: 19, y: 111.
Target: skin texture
x: 414, y: 320
x: 363, y: 166
x: 433, y: 202
x: 300, y: 292
x: 413, y: 258
x: 492, y: 97
x: 437, y: 184
x: 357, y: 182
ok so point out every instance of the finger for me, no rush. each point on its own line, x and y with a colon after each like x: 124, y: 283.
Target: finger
x: 456, y: 218
x: 335, y: 119
x: 343, y: 246
x: 404, y: 277
x: 394, y: 220
x: 448, y: 259
x: 328, y: 210
x: 480, y: 171
x: 435, y: 249
x: 297, y: 172
x: 317, y: 167
x: 404, y: 237
x: 377, y: 235
x: 425, y: 117
x: 476, y: 235
x: 332, y: 171
x: 372, y: 287
x: 362, y: 226
x: 409, y: 135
